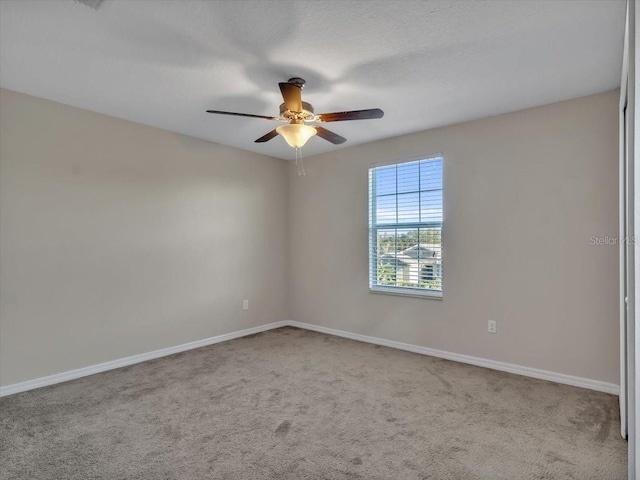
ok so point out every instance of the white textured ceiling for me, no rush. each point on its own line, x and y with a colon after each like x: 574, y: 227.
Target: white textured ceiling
x: 425, y: 63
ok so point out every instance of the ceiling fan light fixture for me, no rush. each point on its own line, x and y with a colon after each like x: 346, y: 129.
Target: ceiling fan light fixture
x: 295, y: 113
x: 296, y: 134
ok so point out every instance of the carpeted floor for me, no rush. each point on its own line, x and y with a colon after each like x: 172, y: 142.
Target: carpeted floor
x: 293, y: 404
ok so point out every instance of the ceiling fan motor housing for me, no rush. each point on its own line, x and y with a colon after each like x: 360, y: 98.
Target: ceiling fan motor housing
x: 306, y: 115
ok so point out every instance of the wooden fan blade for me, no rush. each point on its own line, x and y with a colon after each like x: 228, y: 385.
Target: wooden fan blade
x: 330, y: 136
x: 292, y: 95
x: 352, y: 115
x: 242, y: 114
x: 267, y: 137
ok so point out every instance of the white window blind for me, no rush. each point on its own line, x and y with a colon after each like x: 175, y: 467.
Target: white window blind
x: 405, y: 228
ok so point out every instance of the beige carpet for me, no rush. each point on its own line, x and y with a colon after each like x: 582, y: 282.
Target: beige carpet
x: 292, y: 404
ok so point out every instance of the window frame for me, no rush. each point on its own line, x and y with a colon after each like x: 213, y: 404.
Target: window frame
x: 373, y: 229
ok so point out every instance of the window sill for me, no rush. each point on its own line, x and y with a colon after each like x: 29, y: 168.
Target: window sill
x: 405, y: 292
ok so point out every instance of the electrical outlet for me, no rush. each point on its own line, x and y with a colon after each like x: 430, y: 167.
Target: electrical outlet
x: 493, y: 327
x: 245, y: 305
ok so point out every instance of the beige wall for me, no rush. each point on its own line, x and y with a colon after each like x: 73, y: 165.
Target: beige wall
x: 524, y: 192
x: 118, y: 239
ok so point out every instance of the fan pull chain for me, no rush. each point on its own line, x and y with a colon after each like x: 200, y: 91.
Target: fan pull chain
x: 299, y: 163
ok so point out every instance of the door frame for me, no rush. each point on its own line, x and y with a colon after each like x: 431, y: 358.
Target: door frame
x: 626, y: 263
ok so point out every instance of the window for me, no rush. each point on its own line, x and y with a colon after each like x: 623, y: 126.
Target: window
x: 405, y: 228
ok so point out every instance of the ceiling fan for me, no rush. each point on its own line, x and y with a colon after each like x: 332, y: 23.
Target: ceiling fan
x: 296, y: 113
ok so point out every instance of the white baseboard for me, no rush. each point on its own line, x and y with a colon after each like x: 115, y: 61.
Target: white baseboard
x: 480, y: 362
x: 123, y: 362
